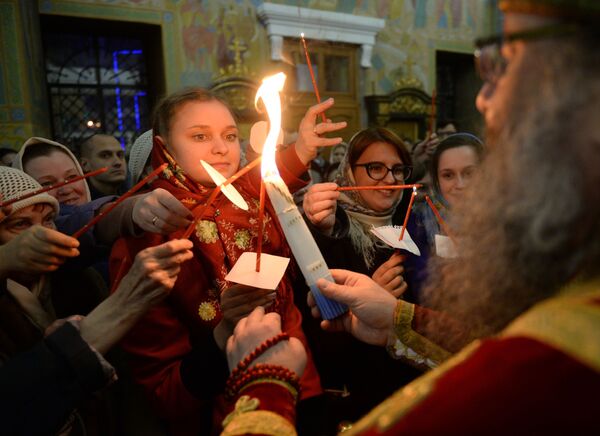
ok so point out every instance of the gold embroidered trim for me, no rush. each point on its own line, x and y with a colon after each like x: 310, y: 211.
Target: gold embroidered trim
x: 426, y: 351
x: 242, y: 405
x: 388, y: 413
x: 281, y: 383
x: 561, y: 322
x: 260, y: 422
x: 568, y: 322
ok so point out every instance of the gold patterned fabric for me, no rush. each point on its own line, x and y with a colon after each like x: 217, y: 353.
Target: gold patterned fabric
x: 568, y: 322
x: 260, y: 422
x: 560, y: 322
x: 410, y: 345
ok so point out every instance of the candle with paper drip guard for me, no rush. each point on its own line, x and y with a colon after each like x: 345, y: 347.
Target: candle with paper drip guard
x: 398, y: 237
x: 299, y: 238
x: 445, y: 246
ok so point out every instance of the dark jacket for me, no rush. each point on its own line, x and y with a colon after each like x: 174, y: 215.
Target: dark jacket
x: 42, y: 380
x: 363, y: 375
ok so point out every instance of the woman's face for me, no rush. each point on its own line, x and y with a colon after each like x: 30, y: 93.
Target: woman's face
x: 39, y: 213
x: 204, y: 130
x: 337, y: 154
x: 56, y: 168
x: 380, y: 200
x: 455, y: 170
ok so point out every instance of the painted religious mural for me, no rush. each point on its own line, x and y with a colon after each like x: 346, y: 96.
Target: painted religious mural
x: 201, y: 39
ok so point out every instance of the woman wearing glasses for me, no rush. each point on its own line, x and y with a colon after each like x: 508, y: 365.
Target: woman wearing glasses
x: 341, y: 223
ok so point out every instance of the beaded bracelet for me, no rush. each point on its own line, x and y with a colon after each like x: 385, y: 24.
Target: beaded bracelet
x: 246, y: 361
x: 261, y: 371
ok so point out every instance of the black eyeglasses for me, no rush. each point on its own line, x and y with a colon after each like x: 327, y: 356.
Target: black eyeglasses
x: 378, y: 170
x: 489, y: 61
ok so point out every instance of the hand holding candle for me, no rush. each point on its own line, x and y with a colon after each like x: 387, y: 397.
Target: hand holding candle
x: 298, y: 236
x: 309, y: 133
x: 122, y: 198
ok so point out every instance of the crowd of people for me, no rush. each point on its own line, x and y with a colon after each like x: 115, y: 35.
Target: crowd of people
x: 133, y: 327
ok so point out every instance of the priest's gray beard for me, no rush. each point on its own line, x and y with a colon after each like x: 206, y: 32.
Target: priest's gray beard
x: 531, y: 220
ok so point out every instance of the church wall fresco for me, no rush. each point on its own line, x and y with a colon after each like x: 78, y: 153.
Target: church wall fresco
x: 198, y: 39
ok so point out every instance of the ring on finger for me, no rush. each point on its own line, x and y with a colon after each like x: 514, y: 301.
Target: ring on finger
x: 154, y: 220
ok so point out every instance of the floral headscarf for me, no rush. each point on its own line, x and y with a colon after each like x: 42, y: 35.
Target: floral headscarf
x: 225, y: 231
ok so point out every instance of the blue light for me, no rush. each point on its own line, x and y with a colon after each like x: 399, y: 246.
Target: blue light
x: 118, y: 94
x: 136, y: 107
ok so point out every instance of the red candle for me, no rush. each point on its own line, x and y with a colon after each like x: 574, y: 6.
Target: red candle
x: 240, y: 173
x: 432, y: 113
x: 188, y: 232
x: 243, y: 171
x: 261, y: 213
x: 312, y: 76
x: 122, y: 198
x: 439, y: 218
x: 50, y: 188
x: 412, y: 198
x: 376, y: 187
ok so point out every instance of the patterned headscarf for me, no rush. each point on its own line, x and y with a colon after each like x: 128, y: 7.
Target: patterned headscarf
x: 361, y: 217
x: 225, y: 231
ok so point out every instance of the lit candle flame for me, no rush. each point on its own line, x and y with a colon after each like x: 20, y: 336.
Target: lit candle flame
x: 269, y: 93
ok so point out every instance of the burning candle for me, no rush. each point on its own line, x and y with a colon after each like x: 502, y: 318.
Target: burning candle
x: 412, y: 199
x: 122, y: 198
x: 298, y: 236
x: 58, y: 185
x: 312, y: 76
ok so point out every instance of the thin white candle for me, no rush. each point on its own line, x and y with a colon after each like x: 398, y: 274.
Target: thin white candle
x: 303, y: 246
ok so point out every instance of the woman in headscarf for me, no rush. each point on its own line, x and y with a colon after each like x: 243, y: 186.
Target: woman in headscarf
x: 175, y: 350
x: 452, y: 167
x: 341, y: 223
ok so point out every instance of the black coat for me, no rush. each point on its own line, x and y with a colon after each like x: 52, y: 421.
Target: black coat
x: 366, y: 372
x: 42, y: 380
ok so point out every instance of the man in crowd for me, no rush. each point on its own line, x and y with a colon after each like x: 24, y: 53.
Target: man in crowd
x: 104, y: 151
x: 528, y: 279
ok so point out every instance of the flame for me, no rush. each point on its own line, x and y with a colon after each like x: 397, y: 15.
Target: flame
x: 269, y: 92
